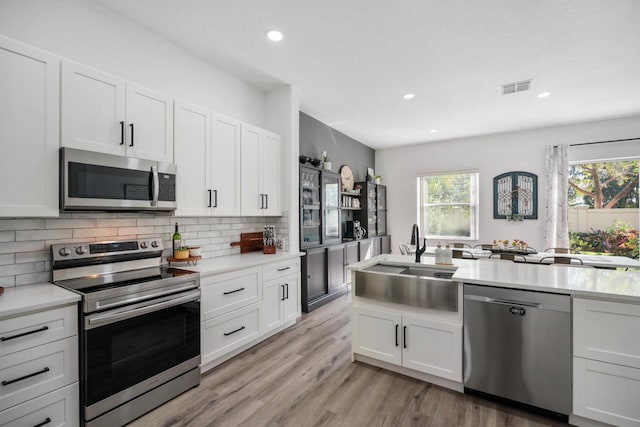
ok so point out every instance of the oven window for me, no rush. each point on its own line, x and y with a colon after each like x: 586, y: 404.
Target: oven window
x: 104, y: 182
x: 122, y: 354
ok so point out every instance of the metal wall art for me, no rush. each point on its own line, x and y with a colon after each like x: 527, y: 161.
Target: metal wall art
x: 515, y: 196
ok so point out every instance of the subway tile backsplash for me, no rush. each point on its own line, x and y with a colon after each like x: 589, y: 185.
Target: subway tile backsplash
x: 25, y: 254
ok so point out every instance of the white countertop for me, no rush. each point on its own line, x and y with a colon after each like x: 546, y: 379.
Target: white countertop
x: 234, y: 262
x: 23, y: 299
x: 585, y: 282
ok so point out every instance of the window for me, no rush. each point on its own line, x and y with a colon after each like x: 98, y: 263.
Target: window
x: 448, y: 205
x: 604, y: 212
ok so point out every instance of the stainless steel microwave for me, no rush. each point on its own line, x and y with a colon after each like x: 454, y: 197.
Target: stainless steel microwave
x: 97, y: 181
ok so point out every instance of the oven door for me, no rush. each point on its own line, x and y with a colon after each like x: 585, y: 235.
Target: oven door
x: 92, y: 180
x: 133, y: 349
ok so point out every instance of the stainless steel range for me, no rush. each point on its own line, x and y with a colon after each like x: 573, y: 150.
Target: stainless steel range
x: 140, y: 326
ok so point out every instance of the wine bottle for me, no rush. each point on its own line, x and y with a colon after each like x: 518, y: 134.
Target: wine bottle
x: 177, y: 240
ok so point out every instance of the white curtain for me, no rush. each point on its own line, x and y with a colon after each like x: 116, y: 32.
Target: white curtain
x: 556, y: 174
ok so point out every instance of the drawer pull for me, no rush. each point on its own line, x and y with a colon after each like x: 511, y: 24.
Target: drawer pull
x: 284, y: 268
x: 45, y: 422
x: 233, y: 292
x: 226, y: 334
x: 35, y: 331
x: 5, y: 382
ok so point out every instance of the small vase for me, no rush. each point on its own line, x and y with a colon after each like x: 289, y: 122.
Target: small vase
x: 326, y: 166
x: 377, y: 181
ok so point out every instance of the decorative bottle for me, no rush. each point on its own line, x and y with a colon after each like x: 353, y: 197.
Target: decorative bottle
x: 439, y: 254
x: 447, y: 255
x: 177, y: 240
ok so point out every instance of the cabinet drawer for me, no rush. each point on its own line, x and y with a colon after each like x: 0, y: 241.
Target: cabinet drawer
x: 280, y: 269
x: 606, y: 331
x: 60, y: 407
x: 37, y: 371
x: 606, y: 392
x: 19, y: 333
x: 226, y: 333
x: 223, y: 293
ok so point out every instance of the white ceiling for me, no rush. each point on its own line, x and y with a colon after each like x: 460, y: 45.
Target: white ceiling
x: 354, y: 59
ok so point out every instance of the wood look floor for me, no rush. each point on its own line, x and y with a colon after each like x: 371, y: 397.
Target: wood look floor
x: 304, y: 376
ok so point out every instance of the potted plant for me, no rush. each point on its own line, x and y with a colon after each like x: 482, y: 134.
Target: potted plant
x: 377, y: 179
x: 326, y: 163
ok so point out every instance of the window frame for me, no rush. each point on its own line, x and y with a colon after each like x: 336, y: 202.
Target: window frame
x: 474, y: 203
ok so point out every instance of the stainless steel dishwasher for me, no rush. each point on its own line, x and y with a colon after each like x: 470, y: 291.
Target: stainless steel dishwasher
x: 517, y: 346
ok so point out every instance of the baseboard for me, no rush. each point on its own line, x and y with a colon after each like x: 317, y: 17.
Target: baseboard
x: 579, y: 421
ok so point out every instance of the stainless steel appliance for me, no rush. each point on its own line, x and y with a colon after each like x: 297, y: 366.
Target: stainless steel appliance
x: 517, y: 346
x: 139, y: 326
x: 90, y: 180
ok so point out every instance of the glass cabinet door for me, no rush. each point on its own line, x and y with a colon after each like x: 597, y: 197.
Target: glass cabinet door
x: 381, y: 195
x: 310, y: 221
x: 331, y: 207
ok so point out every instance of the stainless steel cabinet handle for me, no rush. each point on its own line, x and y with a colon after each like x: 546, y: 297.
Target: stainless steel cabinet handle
x: 35, y: 331
x: 15, y: 380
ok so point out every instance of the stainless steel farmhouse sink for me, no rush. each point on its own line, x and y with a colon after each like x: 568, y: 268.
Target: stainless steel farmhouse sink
x: 428, y: 287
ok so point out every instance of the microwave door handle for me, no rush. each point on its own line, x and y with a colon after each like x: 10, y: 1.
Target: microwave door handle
x: 155, y: 188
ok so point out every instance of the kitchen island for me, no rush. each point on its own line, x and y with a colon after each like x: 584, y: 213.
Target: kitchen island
x: 427, y: 342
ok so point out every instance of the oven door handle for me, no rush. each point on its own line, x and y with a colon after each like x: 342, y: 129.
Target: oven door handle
x: 156, y: 186
x: 107, y: 318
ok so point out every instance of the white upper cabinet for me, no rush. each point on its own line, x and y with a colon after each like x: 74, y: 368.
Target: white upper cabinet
x: 103, y: 113
x: 207, y: 153
x: 260, y: 165
x: 93, y: 110
x: 192, y: 147
x: 225, y: 166
x: 150, y: 122
x: 29, y: 119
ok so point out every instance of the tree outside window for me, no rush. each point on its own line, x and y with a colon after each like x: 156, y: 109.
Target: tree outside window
x: 448, y: 205
x: 604, y: 207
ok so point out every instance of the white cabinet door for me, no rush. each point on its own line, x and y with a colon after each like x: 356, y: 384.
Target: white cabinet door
x: 252, y: 202
x: 606, y: 331
x: 150, y: 124
x: 270, y: 162
x: 29, y: 120
x: 93, y: 110
x: 225, y: 166
x: 291, y: 303
x: 432, y: 347
x: 60, y: 408
x: 376, y: 334
x: 273, y: 293
x: 606, y: 392
x: 192, y: 151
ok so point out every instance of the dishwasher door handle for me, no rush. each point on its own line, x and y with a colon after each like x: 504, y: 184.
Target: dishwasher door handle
x: 490, y: 300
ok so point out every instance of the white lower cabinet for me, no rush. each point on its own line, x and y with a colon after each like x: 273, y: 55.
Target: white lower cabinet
x: 226, y: 333
x: 412, y: 342
x: 280, y: 304
x: 240, y: 308
x: 606, y: 362
x: 58, y: 408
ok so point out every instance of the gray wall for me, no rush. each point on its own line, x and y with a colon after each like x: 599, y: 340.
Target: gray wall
x: 316, y: 137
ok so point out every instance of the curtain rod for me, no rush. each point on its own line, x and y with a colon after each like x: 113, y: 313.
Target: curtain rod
x: 603, y: 142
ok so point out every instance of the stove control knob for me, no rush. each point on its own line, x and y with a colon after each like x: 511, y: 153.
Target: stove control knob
x: 65, y: 252
x: 154, y: 244
x: 81, y: 250
x: 143, y: 245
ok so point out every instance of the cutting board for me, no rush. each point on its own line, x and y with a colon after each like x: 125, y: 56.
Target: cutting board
x: 249, y: 242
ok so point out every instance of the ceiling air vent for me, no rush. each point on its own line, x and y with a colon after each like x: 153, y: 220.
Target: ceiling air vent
x: 508, y: 88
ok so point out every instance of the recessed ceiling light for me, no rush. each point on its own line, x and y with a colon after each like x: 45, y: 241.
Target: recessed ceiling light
x: 544, y: 94
x: 433, y: 131
x: 274, y: 35
x: 409, y: 96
